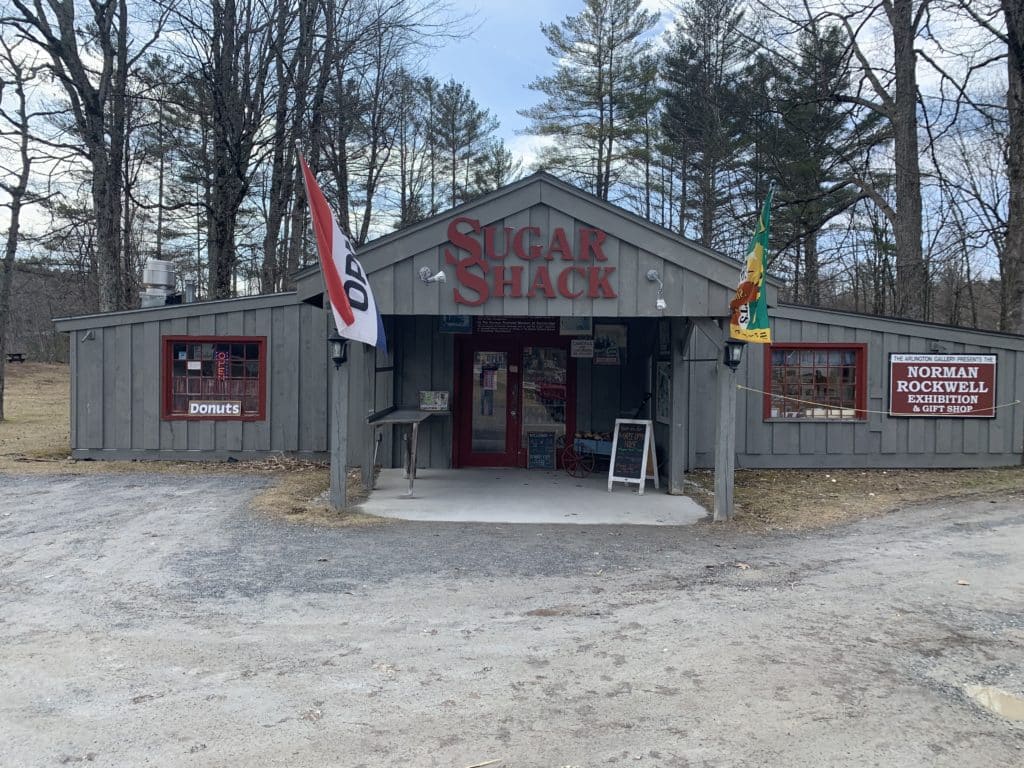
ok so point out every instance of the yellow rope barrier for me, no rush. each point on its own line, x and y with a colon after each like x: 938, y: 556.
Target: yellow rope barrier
x: 858, y: 410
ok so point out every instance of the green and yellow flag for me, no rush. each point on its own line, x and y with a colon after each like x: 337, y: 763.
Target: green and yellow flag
x: 749, y: 307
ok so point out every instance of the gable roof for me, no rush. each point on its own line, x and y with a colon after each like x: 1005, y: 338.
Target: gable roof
x: 697, y: 281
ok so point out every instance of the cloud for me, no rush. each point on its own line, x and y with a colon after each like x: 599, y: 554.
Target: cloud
x: 528, y: 148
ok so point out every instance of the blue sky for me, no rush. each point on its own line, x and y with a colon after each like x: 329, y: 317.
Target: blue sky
x: 504, y: 54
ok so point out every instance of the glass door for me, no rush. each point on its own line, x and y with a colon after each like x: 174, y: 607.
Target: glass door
x: 506, y: 388
x: 490, y: 412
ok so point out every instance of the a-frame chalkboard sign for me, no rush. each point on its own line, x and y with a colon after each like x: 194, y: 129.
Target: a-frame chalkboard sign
x: 633, y: 454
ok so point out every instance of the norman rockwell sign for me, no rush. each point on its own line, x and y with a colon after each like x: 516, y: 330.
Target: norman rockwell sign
x: 962, y: 386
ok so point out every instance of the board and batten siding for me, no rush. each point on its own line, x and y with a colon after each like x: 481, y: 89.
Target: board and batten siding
x: 424, y: 360
x: 879, y: 440
x: 117, y: 386
x: 398, y: 289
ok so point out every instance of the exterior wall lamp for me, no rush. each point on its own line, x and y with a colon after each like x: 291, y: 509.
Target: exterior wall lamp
x: 733, y: 353
x: 654, y: 277
x: 339, y: 349
x: 427, y: 276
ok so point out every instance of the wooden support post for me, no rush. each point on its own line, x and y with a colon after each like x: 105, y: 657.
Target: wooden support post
x: 369, y: 401
x: 679, y: 425
x: 338, y: 378
x: 725, y: 442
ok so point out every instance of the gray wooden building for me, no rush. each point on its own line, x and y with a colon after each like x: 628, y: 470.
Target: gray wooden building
x: 559, y: 313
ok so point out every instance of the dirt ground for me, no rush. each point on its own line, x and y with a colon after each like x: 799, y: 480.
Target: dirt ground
x: 158, y: 619
x: 34, y: 439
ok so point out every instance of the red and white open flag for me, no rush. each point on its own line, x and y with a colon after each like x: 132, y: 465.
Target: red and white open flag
x: 355, y: 311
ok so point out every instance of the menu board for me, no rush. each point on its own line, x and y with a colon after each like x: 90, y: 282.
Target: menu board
x: 633, y: 454
x: 540, y: 449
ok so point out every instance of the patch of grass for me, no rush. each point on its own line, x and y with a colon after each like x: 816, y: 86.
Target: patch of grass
x: 36, y: 411
x: 794, y: 500
x: 35, y: 439
x: 300, y: 496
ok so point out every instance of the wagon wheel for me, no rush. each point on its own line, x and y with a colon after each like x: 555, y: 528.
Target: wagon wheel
x: 577, y: 464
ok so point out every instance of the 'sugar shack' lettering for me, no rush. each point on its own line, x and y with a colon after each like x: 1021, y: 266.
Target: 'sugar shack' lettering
x: 527, y: 264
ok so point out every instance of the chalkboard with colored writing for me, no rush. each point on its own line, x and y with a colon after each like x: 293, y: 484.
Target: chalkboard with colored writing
x: 633, y: 453
x: 540, y: 450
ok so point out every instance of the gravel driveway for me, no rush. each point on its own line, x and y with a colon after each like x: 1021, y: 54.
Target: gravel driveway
x: 154, y: 620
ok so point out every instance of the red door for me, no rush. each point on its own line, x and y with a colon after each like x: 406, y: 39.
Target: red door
x: 506, y: 388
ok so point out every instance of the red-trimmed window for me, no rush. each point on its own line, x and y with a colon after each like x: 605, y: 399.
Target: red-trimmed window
x: 816, y: 382
x: 215, y: 377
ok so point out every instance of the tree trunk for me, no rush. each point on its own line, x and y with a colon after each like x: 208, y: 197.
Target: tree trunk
x: 911, y: 271
x: 17, y: 193
x: 1012, y: 258
x: 811, y: 292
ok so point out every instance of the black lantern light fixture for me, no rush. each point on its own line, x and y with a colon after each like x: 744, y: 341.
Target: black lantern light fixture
x: 339, y: 349
x: 733, y: 353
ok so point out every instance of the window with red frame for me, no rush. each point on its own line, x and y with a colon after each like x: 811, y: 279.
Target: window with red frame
x: 214, y: 377
x: 816, y: 382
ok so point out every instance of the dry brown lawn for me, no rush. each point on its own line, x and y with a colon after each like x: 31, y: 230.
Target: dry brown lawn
x: 35, y: 438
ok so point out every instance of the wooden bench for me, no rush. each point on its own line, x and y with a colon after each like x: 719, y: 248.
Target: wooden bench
x: 15, y: 357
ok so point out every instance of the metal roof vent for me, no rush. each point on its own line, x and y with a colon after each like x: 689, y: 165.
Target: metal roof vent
x: 158, y: 280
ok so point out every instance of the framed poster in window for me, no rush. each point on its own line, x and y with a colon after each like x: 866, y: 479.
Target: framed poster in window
x: 663, y: 392
x: 664, y: 338
x: 575, y: 326
x: 610, y: 344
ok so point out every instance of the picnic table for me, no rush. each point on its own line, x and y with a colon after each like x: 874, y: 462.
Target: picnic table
x: 411, y: 418
x: 15, y: 357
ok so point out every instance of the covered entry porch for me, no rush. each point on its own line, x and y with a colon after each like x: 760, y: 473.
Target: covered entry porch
x: 514, y: 495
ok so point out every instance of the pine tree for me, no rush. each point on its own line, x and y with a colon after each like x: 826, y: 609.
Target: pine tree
x: 461, y: 130
x: 592, y: 110
x: 819, y: 144
x: 705, y: 118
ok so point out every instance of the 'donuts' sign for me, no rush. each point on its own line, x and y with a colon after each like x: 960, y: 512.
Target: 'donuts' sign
x: 215, y: 408
x: 942, y: 385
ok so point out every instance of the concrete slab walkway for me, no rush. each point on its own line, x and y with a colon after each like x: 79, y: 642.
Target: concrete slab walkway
x: 524, y: 496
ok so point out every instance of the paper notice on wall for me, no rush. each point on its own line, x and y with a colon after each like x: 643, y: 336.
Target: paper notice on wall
x: 581, y: 348
x: 195, y: 365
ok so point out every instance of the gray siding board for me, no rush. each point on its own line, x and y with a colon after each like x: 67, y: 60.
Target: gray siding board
x: 74, y: 389
x: 674, y: 278
x: 718, y: 299
x: 442, y: 373
x: 695, y: 295
x: 839, y: 438
x: 944, y: 436
x: 511, y: 305
x: 426, y: 297
x: 359, y: 357
x: 90, y: 392
x: 117, y: 368
x: 1018, y: 421
x: 312, y: 386
x: 402, y: 275
x: 758, y: 437
x: 383, y: 285
x: 146, y: 378
x: 561, y: 305
x: 538, y: 303
x: 283, y: 362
